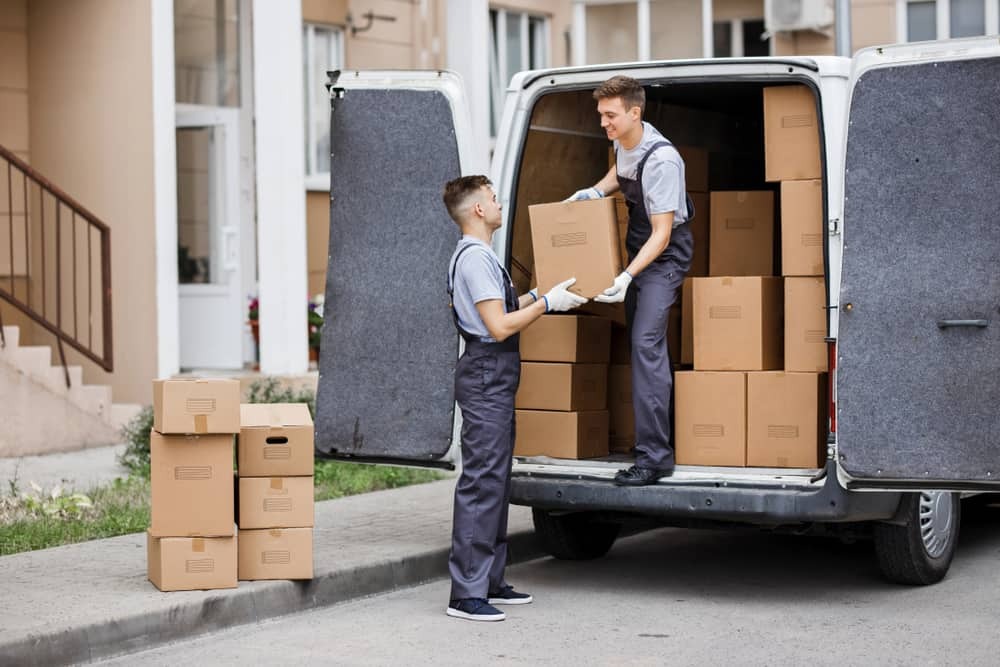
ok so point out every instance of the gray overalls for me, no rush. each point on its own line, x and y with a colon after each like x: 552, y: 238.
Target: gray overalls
x: 647, y: 306
x: 486, y: 380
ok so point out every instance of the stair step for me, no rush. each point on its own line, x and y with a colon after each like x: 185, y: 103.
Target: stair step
x: 33, y: 360
x: 93, y: 398
x: 122, y: 413
x: 56, y: 378
x: 12, y: 335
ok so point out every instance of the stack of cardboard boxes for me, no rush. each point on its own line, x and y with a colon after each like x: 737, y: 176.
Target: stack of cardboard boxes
x: 275, y: 492
x: 756, y: 396
x: 191, y: 543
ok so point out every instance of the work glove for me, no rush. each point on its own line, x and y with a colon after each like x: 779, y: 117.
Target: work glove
x: 559, y: 298
x: 586, y: 193
x: 616, y: 293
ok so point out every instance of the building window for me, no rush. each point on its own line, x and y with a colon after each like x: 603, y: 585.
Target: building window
x: 517, y: 42
x: 968, y: 18
x: 921, y: 21
x: 924, y: 20
x: 323, y: 50
x: 207, y: 52
x: 740, y: 37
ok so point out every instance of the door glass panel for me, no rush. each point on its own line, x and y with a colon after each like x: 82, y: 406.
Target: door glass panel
x: 206, y: 52
x: 195, y: 233
x: 968, y: 18
x: 722, y: 39
x: 921, y: 21
x: 753, y: 44
x: 514, y: 44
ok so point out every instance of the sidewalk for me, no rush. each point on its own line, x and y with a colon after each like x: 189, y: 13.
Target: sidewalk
x: 76, y: 471
x: 89, y: 601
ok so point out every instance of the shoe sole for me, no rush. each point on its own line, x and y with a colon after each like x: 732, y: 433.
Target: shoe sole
x: 457, y: 613
x: 527, y: 600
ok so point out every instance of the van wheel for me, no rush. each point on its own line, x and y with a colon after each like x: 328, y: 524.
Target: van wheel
x: 574, y: 536
x: 920, y: 551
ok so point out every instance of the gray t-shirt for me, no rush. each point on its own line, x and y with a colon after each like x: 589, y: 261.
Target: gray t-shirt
x: 478, y: 277
x: 662, y: 177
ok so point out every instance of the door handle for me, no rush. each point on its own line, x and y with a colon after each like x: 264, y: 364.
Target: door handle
x: 975, y: 324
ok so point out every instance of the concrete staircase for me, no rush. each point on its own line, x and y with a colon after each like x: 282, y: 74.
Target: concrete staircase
x: 41, y: 415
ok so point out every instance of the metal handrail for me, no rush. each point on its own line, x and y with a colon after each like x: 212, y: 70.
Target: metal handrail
x: 40, y: 266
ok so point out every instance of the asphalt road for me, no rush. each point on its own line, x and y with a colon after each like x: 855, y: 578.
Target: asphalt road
x: 669, y: 596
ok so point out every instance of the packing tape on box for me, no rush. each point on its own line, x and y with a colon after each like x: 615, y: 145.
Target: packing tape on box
x: 201, y: 423
x: 277, y: 484
x: 197, y: 544
x: 275, y: 532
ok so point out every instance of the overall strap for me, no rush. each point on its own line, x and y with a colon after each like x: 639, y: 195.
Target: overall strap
x: 642, y: 162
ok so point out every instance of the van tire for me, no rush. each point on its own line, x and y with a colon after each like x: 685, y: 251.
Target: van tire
x: 574, y: 536
x: 902, y: 550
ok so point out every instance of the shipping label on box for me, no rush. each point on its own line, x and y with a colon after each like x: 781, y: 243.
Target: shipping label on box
x: 576, y: 239
x: 621, y: 414
x: 786, y: 420
x: 276, y: 502
x: 791, y: 134
x: 206, y: 405
x: 276, y: 440
x: 563, y: 435
x: 710, y: 414
x: 191, y: 485
x: 549, y: 386
x: 805, y: 325
x: 191, y: 563
x: 802, y: 228
x: 737, y: 323
x: 742, y: 232
x: 277, y: 553
x: 567, y: 338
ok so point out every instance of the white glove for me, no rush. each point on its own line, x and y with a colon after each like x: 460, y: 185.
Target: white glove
x: 559, y: 298
x: 616, y: 293
x: 586, y: 193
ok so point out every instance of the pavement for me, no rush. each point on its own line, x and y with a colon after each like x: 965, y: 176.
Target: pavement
x: 75, y: 471
x: 89, y: 601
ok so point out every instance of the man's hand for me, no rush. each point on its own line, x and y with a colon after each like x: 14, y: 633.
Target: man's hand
x: 559, y: 298
x: 616, y: 293
x: 586, y: 193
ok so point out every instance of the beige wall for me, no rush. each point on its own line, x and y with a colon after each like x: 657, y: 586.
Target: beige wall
x: 675, y: 28
x: 14, y: 123
x: 317, y: 239
x: 873, y: 22
x: 91, y: 133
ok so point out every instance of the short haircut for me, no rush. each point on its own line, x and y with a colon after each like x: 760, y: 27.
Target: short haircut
x: 625, y: 87
x: 458, y: 191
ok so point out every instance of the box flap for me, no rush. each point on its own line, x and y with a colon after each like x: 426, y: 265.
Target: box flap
x: 274, y: 415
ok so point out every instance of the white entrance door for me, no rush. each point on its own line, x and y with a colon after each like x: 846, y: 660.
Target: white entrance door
x: 211, y: 303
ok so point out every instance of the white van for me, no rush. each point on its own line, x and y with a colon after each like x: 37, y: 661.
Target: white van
x: 910, y: 147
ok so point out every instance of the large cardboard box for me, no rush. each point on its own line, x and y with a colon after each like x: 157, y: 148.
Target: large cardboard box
x: 547, y: 386
x: 276, y: 553
x: 276, y: 440
x: 563, y: 435
x: 737, y: 324
x: 576, y: 239
x: 802, y: 228
x: 190, y: 405
x: 786, y: 420
x: 687, y: 322
x: 191, y: 563
x: 700, y: 228
x: 710, y: 417
x: 191, y: 485
x: 276, y: 502
x: 742, y: 232
x: 581, y: 339
x: 791, y: 134
x: 695, y: 168
x: 621, y: 415
x: 805, y: 325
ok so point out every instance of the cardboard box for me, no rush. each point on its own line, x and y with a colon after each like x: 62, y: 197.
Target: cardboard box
x: 275, y: 502
x: 580, y: 339
x: 276, y: 440
x: 791, y: 134
x: 700, y: 227
x: 742, y: 232
x: 621, y: 416
x: 695, y: 168
x: 191, y: 485
x: 802, y: 228
x: 576, y: 239
x: 737, y: 324
x: 190, y: 405
x: 563, y: 435
x: 687, y: 323
x: 710, y: 417
x: 277, y: 553
x: 191, y: 563
x: 805, y: 325
x: 546, y: 386
x: 786, y: 420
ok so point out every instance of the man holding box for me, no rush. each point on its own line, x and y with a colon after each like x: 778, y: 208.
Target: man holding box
x: 650, y: 173
x: 488, y: 315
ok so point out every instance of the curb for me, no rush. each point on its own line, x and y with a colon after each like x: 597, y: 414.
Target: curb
x: 252, y: 602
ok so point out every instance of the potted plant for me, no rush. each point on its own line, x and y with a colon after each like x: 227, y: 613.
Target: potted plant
x: 315, y: 322
x: 253, y: 316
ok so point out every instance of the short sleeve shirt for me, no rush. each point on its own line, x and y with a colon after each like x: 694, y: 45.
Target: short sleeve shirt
x: 478, y: 277
x: 662, y: 177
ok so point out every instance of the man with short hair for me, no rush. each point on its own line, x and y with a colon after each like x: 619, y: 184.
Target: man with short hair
x: 650, y: 173
x: 488, y: 315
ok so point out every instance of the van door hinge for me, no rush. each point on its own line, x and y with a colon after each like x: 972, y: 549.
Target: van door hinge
x: 834, y: 226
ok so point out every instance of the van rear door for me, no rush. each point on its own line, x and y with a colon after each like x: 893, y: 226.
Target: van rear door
x: 918, y: 377
x: 389, y: 348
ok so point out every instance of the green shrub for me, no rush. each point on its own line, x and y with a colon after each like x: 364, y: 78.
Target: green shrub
x: 136, y: 434
x: 269, y: 390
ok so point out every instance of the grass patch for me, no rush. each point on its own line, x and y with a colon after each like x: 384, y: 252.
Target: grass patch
x: 335, y: 479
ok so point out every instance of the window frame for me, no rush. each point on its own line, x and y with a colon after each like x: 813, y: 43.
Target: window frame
x: 736, y: 29
x: 499, y: 76
x: 991, y: 16
x: 316, y: 178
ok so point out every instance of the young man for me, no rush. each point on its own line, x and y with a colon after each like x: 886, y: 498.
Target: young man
x: 650, y: 173
x: 488, y: 315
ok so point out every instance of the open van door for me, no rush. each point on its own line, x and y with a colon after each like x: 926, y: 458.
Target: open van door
x: 389, y: 347
x: 918, y: 372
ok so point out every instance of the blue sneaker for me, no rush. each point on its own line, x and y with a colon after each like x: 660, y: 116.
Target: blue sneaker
x: 474, y: 609
x: 507, y: 595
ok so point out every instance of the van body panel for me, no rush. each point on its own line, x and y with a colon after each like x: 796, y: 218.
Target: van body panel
x: 918, y: 377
